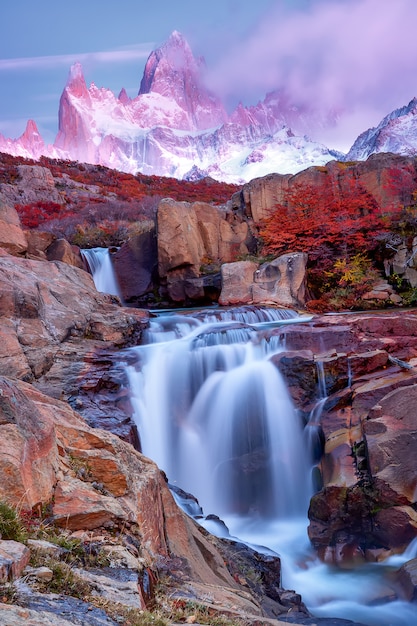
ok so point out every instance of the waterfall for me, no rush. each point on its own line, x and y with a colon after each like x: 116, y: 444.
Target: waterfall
x: 214, y: 413
x: 101, y: 268
x: 219, y: 379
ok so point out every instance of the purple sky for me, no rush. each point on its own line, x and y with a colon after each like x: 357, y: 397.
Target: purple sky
x: 358, y: 56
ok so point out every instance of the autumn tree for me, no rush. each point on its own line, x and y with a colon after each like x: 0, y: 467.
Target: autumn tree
x: 333, y: 223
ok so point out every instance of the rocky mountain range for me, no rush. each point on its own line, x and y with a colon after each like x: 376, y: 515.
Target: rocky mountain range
x: 176, y: 127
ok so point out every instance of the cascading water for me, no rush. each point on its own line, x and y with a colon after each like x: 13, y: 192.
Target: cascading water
x: 213, y: 412
x: 101, y: 268
x: 238, y: 450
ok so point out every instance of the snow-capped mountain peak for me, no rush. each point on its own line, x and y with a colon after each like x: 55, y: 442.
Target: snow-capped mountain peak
x: 176, y: 127
x: 174, y: 73
x: 397, y: 133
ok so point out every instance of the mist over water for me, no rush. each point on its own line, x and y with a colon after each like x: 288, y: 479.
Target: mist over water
x: 214, y: 413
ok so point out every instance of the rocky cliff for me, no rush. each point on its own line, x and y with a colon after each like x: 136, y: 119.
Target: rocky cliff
x: 390, y: 179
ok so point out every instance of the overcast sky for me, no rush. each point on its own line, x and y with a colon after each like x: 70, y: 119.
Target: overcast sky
x: 355, y: 55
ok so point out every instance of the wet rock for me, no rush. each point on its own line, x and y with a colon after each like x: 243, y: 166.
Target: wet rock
x: 407, y: 579
x: 391, y: 438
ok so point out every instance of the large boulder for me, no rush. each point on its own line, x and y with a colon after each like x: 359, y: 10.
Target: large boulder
x: 135, y: 264
x: 62, y: 250
x: 194, y: 239
x: 281, y: 282
x: 34, y: 184
x: 237, y: 282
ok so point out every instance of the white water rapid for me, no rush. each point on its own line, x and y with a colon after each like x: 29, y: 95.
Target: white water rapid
x: 101, y: 268
x: 214, y: 413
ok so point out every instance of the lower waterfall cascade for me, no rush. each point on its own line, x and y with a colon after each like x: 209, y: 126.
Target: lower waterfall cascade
x: 214, y: 413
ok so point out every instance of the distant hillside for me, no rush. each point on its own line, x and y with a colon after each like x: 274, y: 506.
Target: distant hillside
x: 83, y: 198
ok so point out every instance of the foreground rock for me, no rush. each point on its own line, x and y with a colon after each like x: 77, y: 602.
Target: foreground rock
x: 54, y: 330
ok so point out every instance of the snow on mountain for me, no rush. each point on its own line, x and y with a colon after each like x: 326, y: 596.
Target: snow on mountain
x: 397, y: 133
x: 175, y: 126
x: 29, y: 145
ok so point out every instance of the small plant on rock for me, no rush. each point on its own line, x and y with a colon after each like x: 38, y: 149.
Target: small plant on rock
x: 11, y: 525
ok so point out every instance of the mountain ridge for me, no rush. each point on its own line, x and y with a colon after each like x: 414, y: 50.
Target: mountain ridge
x: 176, y: 127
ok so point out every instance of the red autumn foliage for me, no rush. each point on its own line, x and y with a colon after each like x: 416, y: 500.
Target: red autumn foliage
x: 105, y: 194
x: 325, y: 222
x: 35, y: 214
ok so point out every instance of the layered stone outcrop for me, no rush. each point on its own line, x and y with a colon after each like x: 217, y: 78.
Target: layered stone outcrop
x: 364, y: 429
x: 59, y: 333
x: 90, y: 480
x: 44, y: 446
x: 45, y: 305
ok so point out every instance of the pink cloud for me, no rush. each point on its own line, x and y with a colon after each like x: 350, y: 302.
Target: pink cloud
x: 359, y: 55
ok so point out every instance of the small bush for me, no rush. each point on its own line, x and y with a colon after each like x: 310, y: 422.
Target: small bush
x: 11, y: 526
